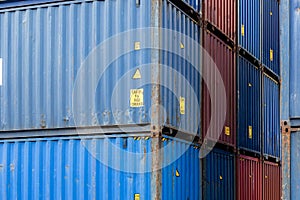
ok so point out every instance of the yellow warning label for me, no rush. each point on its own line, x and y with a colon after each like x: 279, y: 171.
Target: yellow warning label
x: 137, y: 46
x: 137, y: 74
x: 177, y: 173
x: 243, y: 30
x: 221, y: 178
x: 136, y: 98
x: 136, y: 196
x: 271, y: 54
x: 182, y: 105
x: 250, y: 132
x: 227, y: 130
x: 181, y: 45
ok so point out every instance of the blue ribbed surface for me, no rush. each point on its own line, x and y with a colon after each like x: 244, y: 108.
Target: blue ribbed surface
x: 295, y: 166
x: 249, y: 106
x: 218, y: 177
x: 184, y: 80
x: 272, y: 136
x: 270, y: 35
x: 196, y: 4
x: 249, y: 17
x: 62, y: 168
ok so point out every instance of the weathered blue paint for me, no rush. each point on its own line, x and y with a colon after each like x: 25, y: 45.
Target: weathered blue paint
x: 218, y: 175
x: 249, y: 26
x: 270, y: 35
x: 62, y: 168
x: 249, y: 106
x: 294, y: 168
x: 271, y: 115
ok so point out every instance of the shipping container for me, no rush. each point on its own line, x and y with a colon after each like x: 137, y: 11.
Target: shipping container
x: 96, y: 168
x: 224, y: 58
x: 249, y: 178
x: 270, y: 35
x: 219, y: 175
x: 90, y: 63
x: 272, y: 181
x: 272, y: 135
x: 249, y: 106
x: 249, y: 26
x: 222, y: 14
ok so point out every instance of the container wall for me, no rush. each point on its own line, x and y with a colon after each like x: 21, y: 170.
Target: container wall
x: 272, y: 181
x: 196, y: 4
x: 270, y: 36
x: 180, y: 70
x: 42, y: 49
x: 249, y: 106
x: 222, y: 14
x: 249, y: 26
x: 272, y: 134
x: 218, y: 176
x: 249, y: 178
x: 224, y: 59
x: 70, y: 168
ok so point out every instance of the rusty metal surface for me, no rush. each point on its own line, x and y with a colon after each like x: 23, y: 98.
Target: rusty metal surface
x: 249, y: 178
x: 224, y: 58
x: 271, y: 181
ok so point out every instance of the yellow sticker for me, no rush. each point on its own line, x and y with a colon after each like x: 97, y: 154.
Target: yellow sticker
x: 271, y: 13
x: 177, y: 173
x: 137, y: 74
x: 271, y: 54
x: 221, y: 178
x: 250, y: 132
x: 182, y: 105
x: 137, y: 46
x: 249, y: 84
x: 227, y: 130
x: 243, y: 30
x: 136, y: 98
x: 136, y: 196
x: 181, y: 45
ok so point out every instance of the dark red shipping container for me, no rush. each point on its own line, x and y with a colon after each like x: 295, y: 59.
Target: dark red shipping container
x: 249, y: 178
x: 222, y: 14
x: 272, y: 181
x: 224, y: 58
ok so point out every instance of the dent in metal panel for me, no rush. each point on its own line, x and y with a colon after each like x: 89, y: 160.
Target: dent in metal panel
x: 180, y: 71
x: 224, y: 58
x: 249, y: 26
x: 272, y: 137
x: 249, y: 106
x: 218, y: 175
x: 249, y: 178
x: 272, y: 181
x: 222, y: 14
x: 42, y: 49
x: 270, y: 35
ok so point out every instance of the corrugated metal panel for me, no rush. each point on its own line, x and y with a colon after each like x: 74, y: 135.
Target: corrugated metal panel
x: 218, y: 176
x: 42, y: 49
x: 249, y: 106
x: 272, y: 181
x: 249, y: 26
x: 224, y: 59
x: 222, y: 14
x: 270, y: 35
x: 63, y: 168
x: 249, y: 180
x: 179, y: 78
x: 295, y: 165
x: 196, y: 4
x: 272, y: 137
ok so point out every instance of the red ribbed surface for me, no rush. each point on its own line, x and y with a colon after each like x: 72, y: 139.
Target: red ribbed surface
x: 272, y: 181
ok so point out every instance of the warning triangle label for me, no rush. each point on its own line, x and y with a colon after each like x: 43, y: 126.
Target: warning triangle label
x: 137, y: 74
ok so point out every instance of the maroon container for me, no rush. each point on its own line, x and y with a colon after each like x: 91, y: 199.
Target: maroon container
x: 222, y: 14
x: 224, y: 58
x: 249, y: 178
x: 272, y: 181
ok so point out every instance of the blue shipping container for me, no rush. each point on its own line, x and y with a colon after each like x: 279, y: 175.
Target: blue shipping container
x: 270, y: 35
x: 70, y: 168
x: 249, y: 106
x: 272, y: 134
x: 219, y: 176
x: 61, y: 68
x: 249, y: 26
